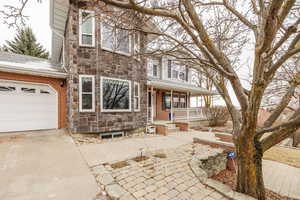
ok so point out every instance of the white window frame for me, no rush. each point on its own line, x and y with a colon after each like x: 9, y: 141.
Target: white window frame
x: 115, y: 40
x: 80, y: 28
x: 137, y: 47
x: 150, y: 71
x: 101, y: 97
x: 93, y: 93
x: 137, y: 96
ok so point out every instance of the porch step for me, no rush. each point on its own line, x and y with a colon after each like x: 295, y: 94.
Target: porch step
x: 171, y: 126
x: 176, y: 129
x: 194, y: 124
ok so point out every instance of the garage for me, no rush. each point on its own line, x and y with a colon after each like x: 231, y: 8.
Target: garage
x: 32, y: 94
x: 26, y: 106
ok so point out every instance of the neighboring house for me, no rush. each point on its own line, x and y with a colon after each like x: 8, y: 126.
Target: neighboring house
x: 104, y: 87
x: 32, y: 93
x: 170, y: 88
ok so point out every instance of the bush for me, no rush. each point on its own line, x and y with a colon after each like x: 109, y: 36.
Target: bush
x: 216, y: 116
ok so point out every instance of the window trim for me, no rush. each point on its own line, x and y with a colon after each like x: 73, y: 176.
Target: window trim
x: 80, y: 93
x: 80, y: 28
x: 137, y: 96
x: 115, y: 39
x: 101, y: 97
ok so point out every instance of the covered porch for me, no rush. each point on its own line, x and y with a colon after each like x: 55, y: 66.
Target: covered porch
x: 170, y: 102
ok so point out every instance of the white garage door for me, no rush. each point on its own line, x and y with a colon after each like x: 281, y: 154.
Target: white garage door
x: 27, y: 106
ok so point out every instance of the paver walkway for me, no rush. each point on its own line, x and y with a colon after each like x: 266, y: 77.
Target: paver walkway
x: 165, y: 175
x: 282, y: 178
x: 96, y: 154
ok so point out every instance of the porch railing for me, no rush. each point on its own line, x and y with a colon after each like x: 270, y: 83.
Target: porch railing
x: 188, y: 113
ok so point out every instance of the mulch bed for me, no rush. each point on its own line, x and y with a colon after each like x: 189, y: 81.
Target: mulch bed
x: 140, y: 158
x: 120, y: 164
x: 228, y: 177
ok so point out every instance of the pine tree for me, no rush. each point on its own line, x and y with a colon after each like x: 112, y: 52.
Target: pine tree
x: 25, y: 43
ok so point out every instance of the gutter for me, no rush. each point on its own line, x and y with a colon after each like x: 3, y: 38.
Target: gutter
x: 17, y: 70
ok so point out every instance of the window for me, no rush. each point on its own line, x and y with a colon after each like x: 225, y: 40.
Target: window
x: 166, y: 101
x: 7, y: 89
x: 136, y: 96
x: 175, y: 74
x: 44, y: 92
x: 114, y: 39
x: 86, y: 93
x: 155, y: 70
x: 182, y: 76
x: 169, y: 68
x: 86, y: 28
x: 28, y: 90
x: 115, y: 95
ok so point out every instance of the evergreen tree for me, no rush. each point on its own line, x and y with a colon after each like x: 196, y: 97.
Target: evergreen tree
x: 25, y: 43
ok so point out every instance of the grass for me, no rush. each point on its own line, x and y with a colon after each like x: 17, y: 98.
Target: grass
x: 118, y: 165
x: 284, y: 155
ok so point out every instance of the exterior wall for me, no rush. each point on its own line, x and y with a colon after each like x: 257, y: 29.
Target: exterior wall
x: 98, y: 62
x: 55, y: 83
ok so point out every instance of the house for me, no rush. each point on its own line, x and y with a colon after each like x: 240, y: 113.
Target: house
x: 105, y: 83
x: 32, y: 93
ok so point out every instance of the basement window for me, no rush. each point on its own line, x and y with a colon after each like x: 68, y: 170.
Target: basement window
x: 28, y: 90
x: 7, y: 89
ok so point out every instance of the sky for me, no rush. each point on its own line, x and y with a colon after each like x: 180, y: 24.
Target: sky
x: 38, y: 20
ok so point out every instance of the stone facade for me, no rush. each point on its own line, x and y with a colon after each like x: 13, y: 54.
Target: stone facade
x: 98, y: 62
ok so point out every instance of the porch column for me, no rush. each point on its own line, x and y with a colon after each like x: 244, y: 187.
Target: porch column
x: 147, y: 104
x: 152, y: 108
x: 172, y: 105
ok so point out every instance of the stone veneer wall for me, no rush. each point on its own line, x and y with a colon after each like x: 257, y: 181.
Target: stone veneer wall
x: 98, y: 62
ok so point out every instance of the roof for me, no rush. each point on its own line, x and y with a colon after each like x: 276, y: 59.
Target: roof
x: 17, y: 63
x: 182, y: 87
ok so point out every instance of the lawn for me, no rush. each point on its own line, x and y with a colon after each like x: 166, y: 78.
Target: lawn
x: 284, y: 155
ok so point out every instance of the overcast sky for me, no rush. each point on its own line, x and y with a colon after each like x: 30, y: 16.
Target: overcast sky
x: 38, y: 20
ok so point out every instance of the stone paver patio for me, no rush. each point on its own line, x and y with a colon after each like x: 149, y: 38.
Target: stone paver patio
x: 165, y: 175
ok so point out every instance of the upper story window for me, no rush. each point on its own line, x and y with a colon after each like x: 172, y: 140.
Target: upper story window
x: 176, y: 71
x: 153, y: 67
x: 86, y: 93
x: 115, y: 39
x: 137, y: 42
x: 86, y: 28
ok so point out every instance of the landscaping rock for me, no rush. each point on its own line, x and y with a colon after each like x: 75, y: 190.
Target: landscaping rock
x: 115, y: 191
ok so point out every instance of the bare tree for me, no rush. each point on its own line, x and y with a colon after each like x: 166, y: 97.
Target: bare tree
x: 211, y: 35
x: 275, y: 35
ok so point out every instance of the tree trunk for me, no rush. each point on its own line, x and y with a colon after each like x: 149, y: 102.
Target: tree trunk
x: 250, y: 176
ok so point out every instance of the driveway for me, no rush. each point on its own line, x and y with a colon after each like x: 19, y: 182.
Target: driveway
x: 112, y: 151
x: 43, y: 166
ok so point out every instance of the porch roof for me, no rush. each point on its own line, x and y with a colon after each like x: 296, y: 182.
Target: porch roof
x: 181, y: 87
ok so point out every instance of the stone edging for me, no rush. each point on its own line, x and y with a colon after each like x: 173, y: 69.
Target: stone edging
x: 218, y: 186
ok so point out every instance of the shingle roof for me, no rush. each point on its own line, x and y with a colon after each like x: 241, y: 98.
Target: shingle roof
x: 11, y: 62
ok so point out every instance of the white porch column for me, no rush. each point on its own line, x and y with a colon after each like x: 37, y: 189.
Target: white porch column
x: 172, y: 105
x: 147, y: 105
x: 187, y: 106
x: 152, y: 107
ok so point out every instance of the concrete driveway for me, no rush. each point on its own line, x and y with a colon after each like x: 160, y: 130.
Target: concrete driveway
x: 96, y: 154
x: 43, y: 166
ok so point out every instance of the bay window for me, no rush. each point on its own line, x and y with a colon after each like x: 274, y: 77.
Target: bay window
x: 136, y: 97
x: 115, y: 95
x: 86, y: 28
x: 86, y: 93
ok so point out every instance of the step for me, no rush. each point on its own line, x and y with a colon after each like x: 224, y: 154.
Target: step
x: 176, y: 129
x: 170, y: 126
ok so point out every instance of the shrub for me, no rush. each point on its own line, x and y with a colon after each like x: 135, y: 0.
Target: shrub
x: 217, y: 115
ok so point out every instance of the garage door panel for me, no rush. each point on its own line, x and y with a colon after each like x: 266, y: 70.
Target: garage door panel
x: 21, y: 110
